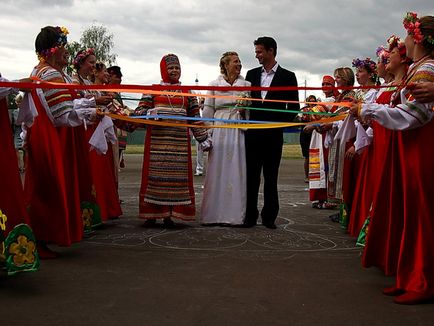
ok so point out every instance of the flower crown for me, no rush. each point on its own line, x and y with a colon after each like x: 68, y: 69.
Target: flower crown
x: 395, y: 42
x: 82, y: 55
x: 367, y: 63
x: 382, y: 53
x: 61, y: 41
x: 412, y: 25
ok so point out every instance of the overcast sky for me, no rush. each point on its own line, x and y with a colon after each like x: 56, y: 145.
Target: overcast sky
x: 314, y: 36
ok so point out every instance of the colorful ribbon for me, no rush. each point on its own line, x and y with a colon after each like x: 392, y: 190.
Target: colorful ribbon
x: 247, y: 125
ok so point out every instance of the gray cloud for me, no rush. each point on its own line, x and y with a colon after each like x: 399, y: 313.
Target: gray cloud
x: 314, y: 36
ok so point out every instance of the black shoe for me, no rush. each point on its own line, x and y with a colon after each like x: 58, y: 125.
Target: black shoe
x: 247, y: 225
x: 150, y: 223
x: 168, y: 223
x: 335, y: 217
x: 271, y: 225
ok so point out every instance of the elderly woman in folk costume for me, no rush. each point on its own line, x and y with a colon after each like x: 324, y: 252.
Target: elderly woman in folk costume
x: 17, y: 242
x: 99, y: 191
x: 378, y: 157
x: 167, y: 190
x: 224, y: 195
x: 51, y: 187
x: 412, y: 261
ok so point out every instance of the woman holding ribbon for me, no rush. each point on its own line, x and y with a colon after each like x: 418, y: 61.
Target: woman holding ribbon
x: 413, y: 223
x: 379, y: 166
x: 96, y: 169
x: 51, y: 187
x: 339, y: 153
x: 224, y: 194
x: 351, y: 132
x: 166, y: 190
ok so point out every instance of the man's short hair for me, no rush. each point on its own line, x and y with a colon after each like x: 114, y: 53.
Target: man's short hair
x: 115, y: 70
x: 267, y: 42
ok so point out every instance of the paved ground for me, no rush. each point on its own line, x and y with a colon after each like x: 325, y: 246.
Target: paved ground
x: 307, y: 272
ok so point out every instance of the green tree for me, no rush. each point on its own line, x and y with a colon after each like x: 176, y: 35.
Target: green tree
x: 100, y: 39
x: 73, y: 48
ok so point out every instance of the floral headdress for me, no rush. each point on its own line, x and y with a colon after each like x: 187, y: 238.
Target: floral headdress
x: 61, y: 41
x: 382, y: 54
x: 82, y: 55
x: 412, y: 24
x: 395, y: 42
x: 367, y: 63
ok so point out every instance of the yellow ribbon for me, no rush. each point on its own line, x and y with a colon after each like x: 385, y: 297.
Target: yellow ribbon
x: 224, y: 126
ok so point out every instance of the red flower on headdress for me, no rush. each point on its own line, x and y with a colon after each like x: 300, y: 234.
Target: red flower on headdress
x: 411, y: 24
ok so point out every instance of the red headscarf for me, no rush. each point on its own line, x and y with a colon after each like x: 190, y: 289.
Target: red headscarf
x: 330, y: 80
x: 167, y: 60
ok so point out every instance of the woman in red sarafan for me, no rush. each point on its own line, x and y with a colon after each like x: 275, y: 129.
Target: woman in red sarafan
x: 377, y: 162
x: 96, y: 169
x: 413, y: 224
x: 11, y: 190
x: 51, y: 182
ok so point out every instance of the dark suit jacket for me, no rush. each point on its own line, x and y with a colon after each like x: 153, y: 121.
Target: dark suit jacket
x: 282, y: 77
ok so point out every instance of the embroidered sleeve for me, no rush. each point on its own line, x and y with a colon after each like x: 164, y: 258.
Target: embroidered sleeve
x: 146, y: 103
x: 59, y: 100
x: 199, y: 134
x: 409, y: 114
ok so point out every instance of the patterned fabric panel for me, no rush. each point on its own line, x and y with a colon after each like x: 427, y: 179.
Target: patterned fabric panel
x: 59, y: 100
x: 168, y: 167
x: 314, y: 164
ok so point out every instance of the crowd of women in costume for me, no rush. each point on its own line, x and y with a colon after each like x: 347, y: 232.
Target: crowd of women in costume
x: 375, y: 164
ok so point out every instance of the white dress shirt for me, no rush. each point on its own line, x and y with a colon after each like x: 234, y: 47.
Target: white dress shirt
x: 267, y: 78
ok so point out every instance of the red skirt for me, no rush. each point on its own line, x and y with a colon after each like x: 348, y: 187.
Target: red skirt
x: 386, y: 223
x: 362, y: 191
x: 51, y: 182
x: 11, y: 191
x: 415, y: 268
x: 103, y: 176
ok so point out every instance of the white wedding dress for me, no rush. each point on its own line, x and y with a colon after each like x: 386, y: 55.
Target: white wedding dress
x: 224, y: 196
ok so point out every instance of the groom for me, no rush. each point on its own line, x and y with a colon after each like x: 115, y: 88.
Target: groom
x: 264, y: 146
